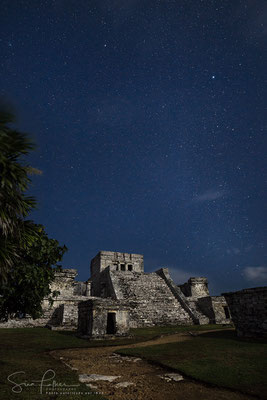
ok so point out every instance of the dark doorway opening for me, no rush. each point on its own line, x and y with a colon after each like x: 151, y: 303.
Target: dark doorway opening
x: 111, y: 323
x: 226, y: 312
x: 130, y: 267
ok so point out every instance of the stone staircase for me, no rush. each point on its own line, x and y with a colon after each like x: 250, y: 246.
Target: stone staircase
x: 190, y: 304
x: 151, y: 300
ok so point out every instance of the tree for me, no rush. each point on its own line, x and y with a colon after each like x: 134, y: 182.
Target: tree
x: 28, y: 281
x: 27, y: 255
x: 14, y: 204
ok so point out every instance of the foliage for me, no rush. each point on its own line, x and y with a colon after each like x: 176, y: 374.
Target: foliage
x: 28, y: 282
x: 27, y: 255
x: 14, y: 178
x: 14, y: 204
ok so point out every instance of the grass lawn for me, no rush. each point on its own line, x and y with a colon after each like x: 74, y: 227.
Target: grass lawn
x: 26, y: 349
x: 156, y: 331
x: 218, y: 358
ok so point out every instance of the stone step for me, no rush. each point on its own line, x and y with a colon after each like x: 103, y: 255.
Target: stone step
x: 151, y: 300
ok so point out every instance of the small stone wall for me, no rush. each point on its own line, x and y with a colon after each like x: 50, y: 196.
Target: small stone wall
x: 65, y: 315
x: 82, y: 288
x: 103, y: 317
x: 248, y: 309
x: 64, y: 282
x: 215, y: 308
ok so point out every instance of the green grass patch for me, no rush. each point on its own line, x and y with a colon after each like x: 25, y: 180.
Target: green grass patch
x: 217, y: 358
x: 26, y: 349
x: 156, y: 331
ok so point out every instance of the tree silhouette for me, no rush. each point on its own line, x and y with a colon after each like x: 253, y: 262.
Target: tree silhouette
x: 27, y: 255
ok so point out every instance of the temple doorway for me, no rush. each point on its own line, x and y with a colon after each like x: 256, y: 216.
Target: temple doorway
x: 111, y: 323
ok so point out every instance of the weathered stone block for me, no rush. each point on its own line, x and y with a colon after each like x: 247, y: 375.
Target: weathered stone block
x: 248, y: 308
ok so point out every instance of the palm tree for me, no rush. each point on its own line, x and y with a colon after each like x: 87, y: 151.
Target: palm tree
x: 14, y: 204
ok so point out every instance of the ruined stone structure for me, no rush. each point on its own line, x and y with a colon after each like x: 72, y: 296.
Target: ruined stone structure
x: 153, y: 298
x: 100, y: 317
x: 64, y: 311
x: 120, y: 295
x: 248, y: 308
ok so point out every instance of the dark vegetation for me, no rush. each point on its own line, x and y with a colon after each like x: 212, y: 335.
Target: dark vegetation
x: 28, y: 257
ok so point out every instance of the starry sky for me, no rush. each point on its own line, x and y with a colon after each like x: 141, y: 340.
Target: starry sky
x: 150, y: 123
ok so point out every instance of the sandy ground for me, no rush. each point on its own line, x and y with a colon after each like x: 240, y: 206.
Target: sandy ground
x: 147, y: 385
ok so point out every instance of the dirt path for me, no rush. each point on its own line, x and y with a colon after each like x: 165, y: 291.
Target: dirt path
x: 143, y: 377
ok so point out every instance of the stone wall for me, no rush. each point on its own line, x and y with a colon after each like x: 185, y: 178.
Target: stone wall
x: 216, y: 309
x: 64, y: 282
x: 82, y: 288
x: 103, y: 317
x: 115, y: 261
x: 248, y: 309
x: 65, y: 315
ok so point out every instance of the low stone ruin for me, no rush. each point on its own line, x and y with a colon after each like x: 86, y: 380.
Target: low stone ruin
x: 100, y: 317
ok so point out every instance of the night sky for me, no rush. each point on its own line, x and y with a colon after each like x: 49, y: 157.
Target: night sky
x: 150, y: 123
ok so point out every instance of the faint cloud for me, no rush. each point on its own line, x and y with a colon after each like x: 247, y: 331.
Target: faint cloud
x: 248, y: 248
x: 209, y: 195
x: 233, y: 250
x: 180, y: 276
x: 236, y: 251
x: 256, y: 274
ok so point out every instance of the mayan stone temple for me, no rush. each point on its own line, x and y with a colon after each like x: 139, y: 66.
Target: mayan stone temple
x: 120, y: 295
